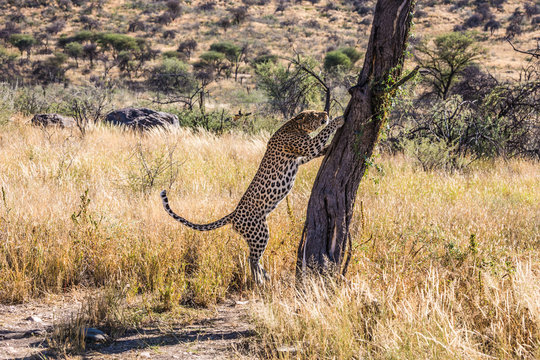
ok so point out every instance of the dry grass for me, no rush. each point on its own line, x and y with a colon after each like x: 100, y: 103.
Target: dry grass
x: 440, y: 314
x: 445, y: 265
x: 85, y: 211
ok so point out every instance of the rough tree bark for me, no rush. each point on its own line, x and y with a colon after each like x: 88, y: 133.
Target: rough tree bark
x: 330, y: 208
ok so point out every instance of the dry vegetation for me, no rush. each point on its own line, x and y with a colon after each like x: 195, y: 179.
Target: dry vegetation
x: 445, y: 265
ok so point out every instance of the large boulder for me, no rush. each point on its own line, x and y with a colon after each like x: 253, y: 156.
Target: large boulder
x: 141, y: 118
x: 52, y: 120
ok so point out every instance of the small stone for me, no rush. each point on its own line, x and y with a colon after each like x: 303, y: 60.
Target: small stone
x: 287, y: 349
x: 145, y: 354
x: 243, y: 302
x: 95, y: 335
x: 35, y: 332
x: 35, y: 318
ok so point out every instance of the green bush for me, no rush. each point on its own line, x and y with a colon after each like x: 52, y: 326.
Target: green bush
x: 80, y: 37
x: 335, y: 60
x: 118, y: 42
x: 228, y: 49
x: 171, y: 54
x: 74, y: 50
x: 212, y: 57
x: 264, y: 58
x: 51, y: 70
x: 172, y: 76
x: 6, y: 56
x: 23, y: 42
x: 215, y: 121
x: 212, y: 61
x: 353, y: 54
x: 435, y: 154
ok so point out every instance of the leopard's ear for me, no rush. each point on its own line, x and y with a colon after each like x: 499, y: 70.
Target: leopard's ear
x: 300, y: 117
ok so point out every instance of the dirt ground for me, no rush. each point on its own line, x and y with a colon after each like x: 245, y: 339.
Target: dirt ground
x: 24, y: 329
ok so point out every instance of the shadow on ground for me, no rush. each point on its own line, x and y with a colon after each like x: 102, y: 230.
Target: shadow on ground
x: 214, y: 337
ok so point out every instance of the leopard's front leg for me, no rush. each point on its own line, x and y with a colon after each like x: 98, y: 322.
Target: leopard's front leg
x: 315, y: 147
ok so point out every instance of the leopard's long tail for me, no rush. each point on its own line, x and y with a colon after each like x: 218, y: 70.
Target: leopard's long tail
x: 201, y: 227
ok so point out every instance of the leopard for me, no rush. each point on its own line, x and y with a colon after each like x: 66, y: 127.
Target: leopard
x: 288, y: 148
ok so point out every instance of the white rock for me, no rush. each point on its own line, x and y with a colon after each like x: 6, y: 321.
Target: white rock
x: 287, y: 349
x: 35, y: 318
x: 145, y: 354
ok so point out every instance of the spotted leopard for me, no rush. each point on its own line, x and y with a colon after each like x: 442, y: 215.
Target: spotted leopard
x: 290, y: 147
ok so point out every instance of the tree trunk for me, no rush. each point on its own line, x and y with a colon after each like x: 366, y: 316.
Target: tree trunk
x: 330, y: 208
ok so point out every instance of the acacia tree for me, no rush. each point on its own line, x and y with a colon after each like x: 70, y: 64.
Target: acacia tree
x: 451, y: 55
x: 322, y: 247
x: 23, y: 42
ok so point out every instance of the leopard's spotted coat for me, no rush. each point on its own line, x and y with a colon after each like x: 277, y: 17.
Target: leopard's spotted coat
x: 290, y: 147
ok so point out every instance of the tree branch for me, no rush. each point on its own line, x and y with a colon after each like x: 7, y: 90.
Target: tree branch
x: 534, y: 53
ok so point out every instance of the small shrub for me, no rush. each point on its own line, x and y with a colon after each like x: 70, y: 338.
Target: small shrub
x: 174, y: 8
x: 212, y: 60
x: 532, y: 9
x: 484, y: 10
x: 239, y: 14
x: 169, y: 34
x: 444, y: 62
x: 89, y: 23
x: 164, y: 19
x: 207, y: 6
x: 353, y: 54
x: 9, y: 29
x: 314, y: 24
x: 187, y: 47
x: 335, y: 59
x: 152, y: 170
x: 50, y: 70
x: 473, y: 21
x: 23, y: 42
x: 435, y: 155
x: 171, y: 54
x: 419, y: 13
x: 264, y: 58
x: 224, y: 23
x: 281, y: 7
x: 137, y: 25
x: 74, y: 50
x: 492, y: 25
x: 17, y: 17
x: 55, y: 27
x: 513, y: 29
x: 171, y: 76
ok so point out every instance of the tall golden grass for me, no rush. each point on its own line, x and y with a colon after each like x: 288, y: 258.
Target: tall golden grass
x: 445, y: 265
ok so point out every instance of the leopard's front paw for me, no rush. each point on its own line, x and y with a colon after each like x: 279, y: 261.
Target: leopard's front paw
x: 339, y: 121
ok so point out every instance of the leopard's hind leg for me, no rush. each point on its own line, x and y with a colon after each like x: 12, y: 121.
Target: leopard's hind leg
x: 256, y: 233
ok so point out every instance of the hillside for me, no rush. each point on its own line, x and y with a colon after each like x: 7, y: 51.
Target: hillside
x: 443, y: 254
x: 309, y: 28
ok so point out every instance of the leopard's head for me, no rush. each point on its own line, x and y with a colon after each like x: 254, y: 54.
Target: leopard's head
x: 311, y: 120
